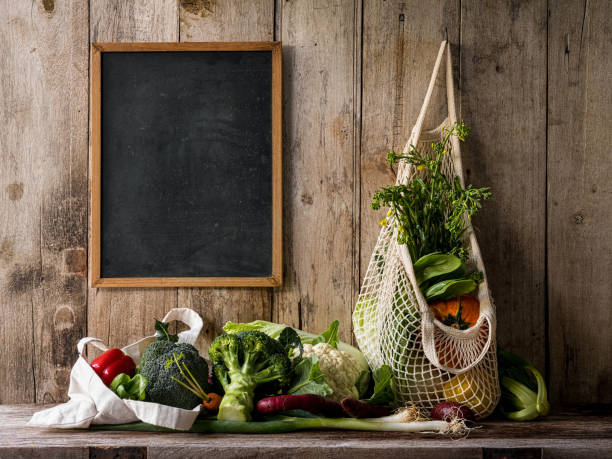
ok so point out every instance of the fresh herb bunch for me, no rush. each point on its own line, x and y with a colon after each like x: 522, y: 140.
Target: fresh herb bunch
x: 429, y: 212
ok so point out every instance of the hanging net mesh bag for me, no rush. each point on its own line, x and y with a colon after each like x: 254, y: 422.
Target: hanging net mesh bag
x: 431, y: 362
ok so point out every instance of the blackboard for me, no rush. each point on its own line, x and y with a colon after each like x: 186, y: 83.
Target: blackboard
x: 186, y: 164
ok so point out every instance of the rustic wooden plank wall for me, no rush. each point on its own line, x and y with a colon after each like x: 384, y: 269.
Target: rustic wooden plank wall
x: 319, y: 85
x: 242, y: 20
x: 534, y: 80
x: 503, y: 83
x: 43, y: 206
x: 579, y: 213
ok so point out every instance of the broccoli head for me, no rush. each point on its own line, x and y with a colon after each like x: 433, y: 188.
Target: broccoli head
x: 244, y: 362
x: 162, y: 364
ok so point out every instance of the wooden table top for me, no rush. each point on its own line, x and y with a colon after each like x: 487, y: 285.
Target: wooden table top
x: 576, y: 434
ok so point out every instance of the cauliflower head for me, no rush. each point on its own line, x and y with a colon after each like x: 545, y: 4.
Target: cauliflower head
x: 340, y: 368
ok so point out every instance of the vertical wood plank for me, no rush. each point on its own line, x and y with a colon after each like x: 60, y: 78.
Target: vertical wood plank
x: 579, y: 213
x: 242, y: 20
x: 319, y: 156
x: 43, y: 186
x: 503, y: 100
x: 122, y: 315
x: 401, y: 40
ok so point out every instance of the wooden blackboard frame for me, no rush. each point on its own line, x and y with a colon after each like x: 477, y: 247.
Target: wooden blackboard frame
x: 95, y: 279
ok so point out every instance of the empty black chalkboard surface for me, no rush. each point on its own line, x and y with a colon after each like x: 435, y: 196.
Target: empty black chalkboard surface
x: 185, y: 164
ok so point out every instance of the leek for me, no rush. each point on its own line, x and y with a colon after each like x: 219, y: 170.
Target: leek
x: 282, y: 424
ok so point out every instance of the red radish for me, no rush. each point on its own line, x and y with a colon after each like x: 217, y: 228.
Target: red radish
x: 308, y: 402
x: 448, y: 411
x: 359, y: 409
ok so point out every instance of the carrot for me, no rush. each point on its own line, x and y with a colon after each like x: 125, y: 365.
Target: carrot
x: 308, y: 402
x: 359, y: 409
x: 213, y: 402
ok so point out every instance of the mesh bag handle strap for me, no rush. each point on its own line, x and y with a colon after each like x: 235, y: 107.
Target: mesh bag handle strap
x: 418, y: 126
x: 452, y: 114
x: 428, y: 325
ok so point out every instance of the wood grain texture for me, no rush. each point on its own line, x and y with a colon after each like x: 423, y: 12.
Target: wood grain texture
x: 44, y: 453
x: 242, y: 20
x: 186, y: 46
x: 503, y: 100
x: 558, y: 435
x: 120, y: 316
x: 320, y: 219
x: 579, y: 212
x: 400, y: 44
x: 43, y: 180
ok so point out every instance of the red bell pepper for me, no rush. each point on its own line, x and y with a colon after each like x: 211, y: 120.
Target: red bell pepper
x: 111, y: 363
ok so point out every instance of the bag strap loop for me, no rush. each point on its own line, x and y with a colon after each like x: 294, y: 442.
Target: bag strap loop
x: 188, y: 316
x: 418, y: 126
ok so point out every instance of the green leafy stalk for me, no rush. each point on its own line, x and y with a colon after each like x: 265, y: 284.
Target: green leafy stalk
x: 430, y: 212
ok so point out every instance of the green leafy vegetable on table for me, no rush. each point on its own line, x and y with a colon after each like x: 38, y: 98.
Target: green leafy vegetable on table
x: 291, y: 341
x: 329, y: 336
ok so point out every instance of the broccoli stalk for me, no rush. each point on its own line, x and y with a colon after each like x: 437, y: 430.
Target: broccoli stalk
x: 246, y: 362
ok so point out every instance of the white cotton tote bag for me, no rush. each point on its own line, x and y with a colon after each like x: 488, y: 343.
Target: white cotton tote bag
x: 91, y: 402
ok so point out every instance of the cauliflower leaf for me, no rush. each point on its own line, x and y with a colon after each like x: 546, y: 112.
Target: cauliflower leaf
x: 308, y: 379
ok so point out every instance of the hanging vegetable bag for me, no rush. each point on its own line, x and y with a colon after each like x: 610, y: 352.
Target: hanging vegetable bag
x: 394, y: 326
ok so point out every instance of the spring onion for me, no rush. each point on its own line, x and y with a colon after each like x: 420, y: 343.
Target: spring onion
x: 399, y: 422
